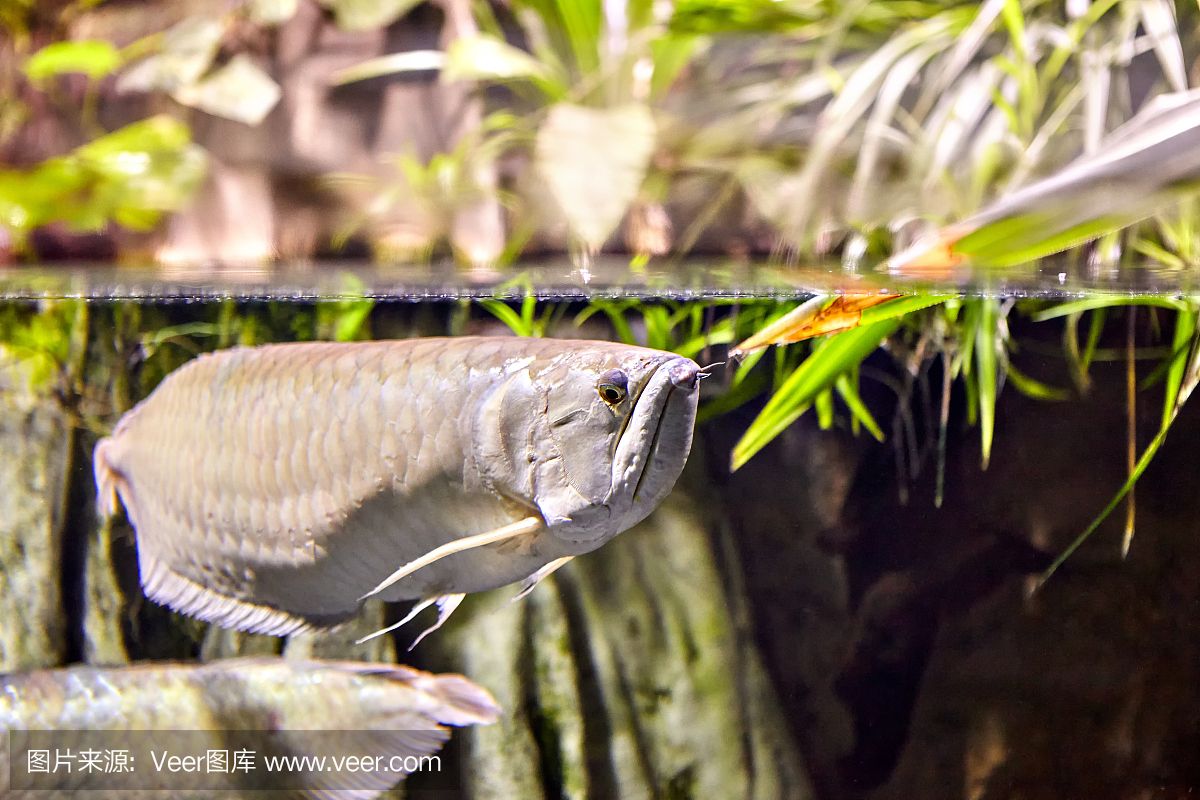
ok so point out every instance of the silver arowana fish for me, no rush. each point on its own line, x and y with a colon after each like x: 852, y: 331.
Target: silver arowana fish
x: 274, y: 488
x: 309, y: 707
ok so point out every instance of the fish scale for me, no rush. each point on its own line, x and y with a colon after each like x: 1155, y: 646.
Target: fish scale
x: 272, y: 487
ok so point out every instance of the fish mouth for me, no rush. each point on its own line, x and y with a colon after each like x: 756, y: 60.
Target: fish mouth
x: 637, y: 487
x: 639, y: 440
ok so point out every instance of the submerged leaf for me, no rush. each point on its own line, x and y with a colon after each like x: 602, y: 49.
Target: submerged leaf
x: 987, y: 330
x: 1185, y: 331
x: 1142, y: 463
x: 594, y: 161
x: 834, y: 357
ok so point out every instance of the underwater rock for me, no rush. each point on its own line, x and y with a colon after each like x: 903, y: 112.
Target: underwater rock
x: 628, y: 674
x: 785, y: 540
x: 35, y: 439
x: 104, y: 603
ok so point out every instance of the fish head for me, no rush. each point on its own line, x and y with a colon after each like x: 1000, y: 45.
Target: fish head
x: 594, y: 437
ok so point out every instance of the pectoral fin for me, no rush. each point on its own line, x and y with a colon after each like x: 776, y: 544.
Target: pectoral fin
x: 530, y: 583
x: 529, y: 525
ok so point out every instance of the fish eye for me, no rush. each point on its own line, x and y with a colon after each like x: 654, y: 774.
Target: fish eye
x: 612, y: 386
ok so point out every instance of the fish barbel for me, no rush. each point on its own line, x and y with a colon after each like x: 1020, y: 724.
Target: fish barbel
x: 274, y: 488
x: 303, y: 707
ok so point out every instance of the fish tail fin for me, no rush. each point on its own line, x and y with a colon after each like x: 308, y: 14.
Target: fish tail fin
x: 463, y: 702
x: 109, y: 479
x: 460, y: 701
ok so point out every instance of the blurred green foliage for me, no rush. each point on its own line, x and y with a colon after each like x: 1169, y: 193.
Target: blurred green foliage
x: 131, y: 176
x: 135, y: 175
x: 38, y: 343
x: 848, y: 129
x: 92, y: 58
x: 585, y: 89
x: 844, y: 126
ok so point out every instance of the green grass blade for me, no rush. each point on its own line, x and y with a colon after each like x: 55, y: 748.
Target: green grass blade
x: 985, y: 372
x: 1185, y: 330
x: 506, y: 314
x: 1095, y: 328
x: 815, y: 374
x: 1022, y: 238
x: 900, y: 307
x: 747, y: 364
x: 824, y: 407
x: 1110, y: 301
x: 848, y: 390
x: 529, y: 313
x: 1143, y: 462
x: 1072, y: 352
x: 1032, y: 387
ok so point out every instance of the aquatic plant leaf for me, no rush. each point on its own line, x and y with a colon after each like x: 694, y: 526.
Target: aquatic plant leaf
x: 392, y: 64
x: 855, y: 98
x: 671, y: 54
x: 593, y: 161
x: 35, y: 346
x: 848, y: 391
x: 1107, y: 301
x: 833, y: 357
x: 1140, y: 467
x: 987, y: 331
x: 345, y: 319
x: 578, y: 28
x: 90, y: 57
x: 1158, y: 17
x: 30, y: 198
x: 365, y: 15
x: 1181, y: 344
x: 1145, y: 165
x: 1032, y: 387
x: 488, y: 58
x: 506, y: 314
x: 188, y: 49
x: 823, y: 404
x: 862, y: 196
x: 823, y: 315
x: 240, y: 91
x: 742, y: 16
x: 1025, y: 238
